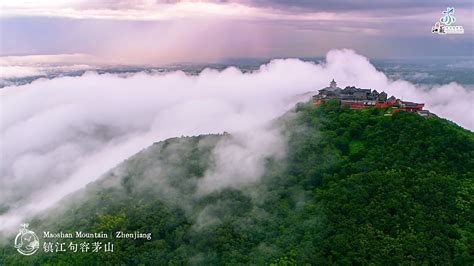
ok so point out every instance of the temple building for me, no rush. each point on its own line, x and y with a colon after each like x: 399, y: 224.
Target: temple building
x: 357, y: 98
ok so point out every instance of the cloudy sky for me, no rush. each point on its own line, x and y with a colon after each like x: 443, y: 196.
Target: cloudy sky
x: 166, y: 31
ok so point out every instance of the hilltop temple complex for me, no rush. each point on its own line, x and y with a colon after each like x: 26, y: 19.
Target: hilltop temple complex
x: 357, y: 98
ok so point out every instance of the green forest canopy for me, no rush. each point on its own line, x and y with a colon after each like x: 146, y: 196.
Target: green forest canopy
x: 356, y: 187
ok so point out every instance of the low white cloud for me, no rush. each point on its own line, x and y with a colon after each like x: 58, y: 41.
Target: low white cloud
x: 59, y: 135
x: 19, y: 67
x: 240, y: 159
x: 19, y: 71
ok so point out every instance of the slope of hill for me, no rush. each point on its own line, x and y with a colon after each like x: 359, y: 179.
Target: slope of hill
x: 355, y: 186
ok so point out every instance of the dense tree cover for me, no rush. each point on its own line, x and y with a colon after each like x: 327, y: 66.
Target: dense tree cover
x: 356, y: 187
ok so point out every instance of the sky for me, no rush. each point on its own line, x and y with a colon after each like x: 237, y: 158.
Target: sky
x: 170, y: 31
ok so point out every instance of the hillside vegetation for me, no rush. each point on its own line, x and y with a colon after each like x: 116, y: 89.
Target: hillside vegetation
x: 355, y: 187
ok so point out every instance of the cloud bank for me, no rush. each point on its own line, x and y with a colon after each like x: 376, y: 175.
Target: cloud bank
x: 58, y: 135
x: 256, y: 9
x: 131, y: 31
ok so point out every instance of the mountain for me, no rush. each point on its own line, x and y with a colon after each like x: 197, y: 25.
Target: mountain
x: 354, y: 187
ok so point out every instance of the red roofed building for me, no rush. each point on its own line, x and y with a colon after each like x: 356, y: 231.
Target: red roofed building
x: 357, y: 98
x: 413, y: 107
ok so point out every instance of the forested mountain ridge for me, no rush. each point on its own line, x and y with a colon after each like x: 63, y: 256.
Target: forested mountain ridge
x: 354, y: 187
